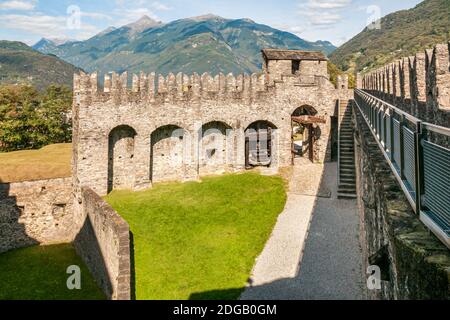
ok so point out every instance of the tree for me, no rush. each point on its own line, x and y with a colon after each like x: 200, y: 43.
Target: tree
x: 30, y: 120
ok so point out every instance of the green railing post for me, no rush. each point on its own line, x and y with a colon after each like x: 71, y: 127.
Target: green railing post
x: 377, y: 118
x: 419, y: 137
x: 402, y: 148
x: 384, y: 128
x: 391, y: 128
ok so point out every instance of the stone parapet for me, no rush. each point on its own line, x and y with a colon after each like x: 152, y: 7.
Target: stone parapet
x: 414, y: 263
x: 157, y: 89
x: 104, y: 244
x: 419, y: 84
x: 35, y: 212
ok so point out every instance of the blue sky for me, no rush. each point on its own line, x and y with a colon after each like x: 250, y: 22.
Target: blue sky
x: 333, y: 20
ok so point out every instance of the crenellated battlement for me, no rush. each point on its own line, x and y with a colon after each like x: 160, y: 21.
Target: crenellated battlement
x: 420, y: 84
x: 135, y: 130
x: 180, y: 87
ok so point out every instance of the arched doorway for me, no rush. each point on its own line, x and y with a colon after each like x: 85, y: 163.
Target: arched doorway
x: 216, y: 147
x: 259, y: 144
x: 121, y: 158
x: 304, y: 131
x: 167, y: 159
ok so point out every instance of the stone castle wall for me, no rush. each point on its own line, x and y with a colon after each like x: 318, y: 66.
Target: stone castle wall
x: 46, y: 212
x: 35, y: 212
x: 420, y: 84
x: 103, y: 242
x: 413, y: 262
x: 165, y: 120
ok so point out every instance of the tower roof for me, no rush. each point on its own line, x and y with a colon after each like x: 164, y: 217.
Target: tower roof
x: 284, y: 54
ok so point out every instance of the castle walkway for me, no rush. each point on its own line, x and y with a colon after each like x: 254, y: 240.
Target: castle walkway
x: 314, y: 251
x: 418, y: 153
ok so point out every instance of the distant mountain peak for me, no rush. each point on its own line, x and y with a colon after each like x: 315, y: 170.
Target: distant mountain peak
x: 206, y: 43
x: 13, y: 45
x: 248, y: 20
x: 56, y: 41
x: 52, y: 42
x: 22, y: 64
x: 106, y: 31
x: 205, y: 17
x: 145, y: 22
x: 60, y: 41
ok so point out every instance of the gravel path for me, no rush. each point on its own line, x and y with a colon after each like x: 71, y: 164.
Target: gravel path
x: 322, y: 263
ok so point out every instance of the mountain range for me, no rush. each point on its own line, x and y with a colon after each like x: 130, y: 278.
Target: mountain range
x: 213, y: 44
x: 19, y: 63
x: 402, y: 33
x: 206, y: 43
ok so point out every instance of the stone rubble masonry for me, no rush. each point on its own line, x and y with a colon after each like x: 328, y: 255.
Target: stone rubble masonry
x: 104, y: 244
x: 415, y: 264
x: 35, y: 212
x: 124, y: 138
x: 419, y: 85
x: 156, y: 106
x: 44, y: 212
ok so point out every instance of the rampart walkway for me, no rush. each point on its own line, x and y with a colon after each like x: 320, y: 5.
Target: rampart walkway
x: 314, y: 251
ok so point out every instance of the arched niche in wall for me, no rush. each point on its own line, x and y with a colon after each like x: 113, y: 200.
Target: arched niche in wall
x: 304, y: 132
x: 216, y: 147
x: 168, y: 153
x: 121, y: 158
x: 260, y: 148
x: 304, y: 110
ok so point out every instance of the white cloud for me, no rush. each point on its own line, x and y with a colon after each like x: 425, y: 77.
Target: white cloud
x: 95, y: 15
x: 143, y: 4
x: 18, y: 5
x: 325, y: 18
x: 327, y: 4
x: 45, y: 25
x: 160, y: 6
x: 323, y: 12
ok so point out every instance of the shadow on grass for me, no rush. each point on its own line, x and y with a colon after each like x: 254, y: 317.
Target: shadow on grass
x: 133, y: 269
x: 40, y: 273
x: 30, y: 271
x: 226, y: 294
x: 88, y: 248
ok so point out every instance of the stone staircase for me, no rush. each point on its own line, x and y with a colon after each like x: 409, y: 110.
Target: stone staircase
x: 347, y: 170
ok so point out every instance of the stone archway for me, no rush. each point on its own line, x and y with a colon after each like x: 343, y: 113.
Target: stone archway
x: 259, y: 144
x: 304, y: 131
x: 216, y: 148
x: 168, y: 153
x: 121, y: 158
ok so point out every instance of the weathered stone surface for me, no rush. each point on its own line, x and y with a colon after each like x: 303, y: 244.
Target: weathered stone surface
x: 418, y: 264
x: 104, y: 244
x: 193, y: 107
x: 424, y: 82
x: 35, y: 212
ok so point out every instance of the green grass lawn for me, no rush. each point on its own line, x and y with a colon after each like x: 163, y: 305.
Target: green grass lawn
x: 200, y: 240
x: 39, y: 273
x: 50, y: 162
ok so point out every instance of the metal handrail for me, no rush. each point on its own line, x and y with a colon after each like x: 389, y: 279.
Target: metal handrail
x: 372, y: 109
x: 392, y: 107
x: 339, y: 142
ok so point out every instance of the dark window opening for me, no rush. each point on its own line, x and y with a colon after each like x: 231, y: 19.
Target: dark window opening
x: 295, y: 66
